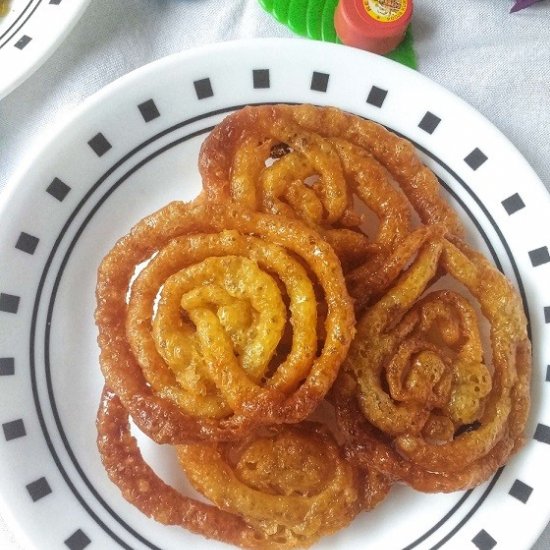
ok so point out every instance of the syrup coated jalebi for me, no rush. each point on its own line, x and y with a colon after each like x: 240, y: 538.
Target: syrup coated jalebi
x: 284, y: 488
x: 206, y: 365
x: 332, y: 170
x: 140, y: 485
x: 291, y: 483
x: 418, y: 397
x: 225, y: 323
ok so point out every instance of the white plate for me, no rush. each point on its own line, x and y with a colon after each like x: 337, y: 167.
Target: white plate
x: 133, y: 147
x: 29, y: 34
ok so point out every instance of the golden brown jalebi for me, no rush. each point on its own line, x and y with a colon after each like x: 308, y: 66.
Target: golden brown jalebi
x: 225, y: 322
x: 291, y: 483
x: 330, y: 169
x: 418, y: 398
x: 285, y: 488
x: 139, y: 484
x: 207, y: 363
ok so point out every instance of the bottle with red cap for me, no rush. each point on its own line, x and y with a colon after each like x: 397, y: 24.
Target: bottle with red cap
x: 374, y: 25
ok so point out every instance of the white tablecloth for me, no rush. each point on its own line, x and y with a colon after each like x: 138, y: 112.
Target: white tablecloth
x: 497, y: 62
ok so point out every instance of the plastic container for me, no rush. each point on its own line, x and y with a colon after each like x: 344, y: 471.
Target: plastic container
x: 374, y: 25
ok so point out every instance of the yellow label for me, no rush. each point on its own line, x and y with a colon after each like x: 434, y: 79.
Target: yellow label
x: 385, y: 11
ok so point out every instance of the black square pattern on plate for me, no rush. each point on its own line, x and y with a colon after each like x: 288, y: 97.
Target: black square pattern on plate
x: 78, y: 540
x: 203, y: 88
x: 513, y: 203
x: 148, y: 110
x: 475, y: 159
x: 55, y: 2
x: 548, y: 373
x: 58, y: 189
x: 22, y: 42
x: 27, y: 243
x: 429, y: 122
x: 484, y: 541
x: 14, y: 429
x: 9, y: 303
x: 521, y: 491
x: 39, y: 489
x: 539, y: 256
x: 319, y: 81
x: 7, y: 366
x: 542, y: 433
x: 260, y: 78
x: 99, y: 144
x: 377, y: 96
x: 547, y: 314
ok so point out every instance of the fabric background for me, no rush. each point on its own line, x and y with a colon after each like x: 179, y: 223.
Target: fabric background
x: 496, y: 61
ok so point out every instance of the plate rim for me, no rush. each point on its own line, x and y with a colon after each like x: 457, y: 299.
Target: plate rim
x: 8, y: 86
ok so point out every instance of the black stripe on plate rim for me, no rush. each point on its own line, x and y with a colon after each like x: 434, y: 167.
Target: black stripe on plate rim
x: 16, y: 22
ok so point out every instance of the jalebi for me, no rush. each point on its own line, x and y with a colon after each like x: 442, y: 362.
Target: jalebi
x: 284, y: 488
x: 290, y: 483
x: 349, y: 178
x: 229, y: 283
x: 419, y: 398
x: 227, y: 329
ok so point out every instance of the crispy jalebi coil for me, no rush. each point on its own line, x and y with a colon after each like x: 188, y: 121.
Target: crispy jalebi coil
x: 284, y: 489
x: 291, y: 483
x: 419, y: 398
x: 205, y: 363
x: 368, y: 281
x: 140, y: 485
x: 318, y: 164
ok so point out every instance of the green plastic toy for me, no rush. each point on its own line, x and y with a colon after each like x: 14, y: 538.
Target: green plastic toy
x: 315, y: 19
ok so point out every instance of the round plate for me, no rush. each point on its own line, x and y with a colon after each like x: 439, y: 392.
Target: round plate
x: 132, y: 148
x: 29, y: 34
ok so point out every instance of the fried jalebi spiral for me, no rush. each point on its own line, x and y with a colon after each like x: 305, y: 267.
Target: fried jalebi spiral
x: 419, y: 398
x: 330, y: 169
x: 217, y: 354
x: 227, y: 330
x: 140, y: 485
x: 285, y: 488
x: 291, y: 483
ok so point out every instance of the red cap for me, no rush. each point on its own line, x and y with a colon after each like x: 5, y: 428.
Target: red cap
x: 374, y: 25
